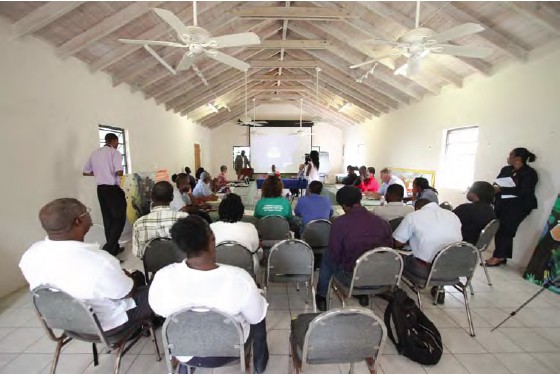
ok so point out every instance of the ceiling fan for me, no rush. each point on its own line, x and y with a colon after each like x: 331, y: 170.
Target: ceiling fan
x: 248, y: 121
x: 300, y: 131
x: 198, y: 42
x: 420, y: 42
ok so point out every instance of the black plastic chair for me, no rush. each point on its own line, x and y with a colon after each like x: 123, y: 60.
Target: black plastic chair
x: 159, y: 253
x: 395, y: 222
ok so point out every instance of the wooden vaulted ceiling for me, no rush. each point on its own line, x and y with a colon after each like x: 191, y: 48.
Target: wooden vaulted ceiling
x: 297, y: 37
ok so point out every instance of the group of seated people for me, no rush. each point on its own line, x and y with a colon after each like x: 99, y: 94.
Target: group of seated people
x: 119, y: 297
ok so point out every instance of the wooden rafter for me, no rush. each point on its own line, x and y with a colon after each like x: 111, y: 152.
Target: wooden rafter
x: 538, y: 12
x: 291, y: 13
x: 284, y: 64
x: 43, y: 16
x: 293, y: 44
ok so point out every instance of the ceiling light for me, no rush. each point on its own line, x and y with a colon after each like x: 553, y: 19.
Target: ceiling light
x: 344, y: 107
x: 212, y: 108
x: 402, y: 70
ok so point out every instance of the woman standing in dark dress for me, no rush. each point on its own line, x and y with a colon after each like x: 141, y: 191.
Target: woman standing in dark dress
x: 513, y: 204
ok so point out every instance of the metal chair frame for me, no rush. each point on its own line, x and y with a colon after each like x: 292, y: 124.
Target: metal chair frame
x: 122, y: 346
x: 319, y: 322
x: 486, y: 235
x: 252, y: 256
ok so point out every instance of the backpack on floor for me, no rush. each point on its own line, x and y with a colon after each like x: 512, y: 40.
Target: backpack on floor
x: 416, y: 336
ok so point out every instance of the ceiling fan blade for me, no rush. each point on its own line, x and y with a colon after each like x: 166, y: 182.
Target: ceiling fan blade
x: 457, y: 32
x: 228, y: 60
x: 237, y: 40
x: 465, y: 51
x: 172, y: 20
x: 152, y: 42
x: 186, y: 61
x: 161, y: 60
x: 413, y: 66
x: 381, y: 42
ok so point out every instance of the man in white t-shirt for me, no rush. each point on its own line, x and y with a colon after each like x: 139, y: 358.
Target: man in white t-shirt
x: 388, y: 179
x: 427, y: 230
x: 394, y: 206
x: 200, y: 281
x: 81, y: 269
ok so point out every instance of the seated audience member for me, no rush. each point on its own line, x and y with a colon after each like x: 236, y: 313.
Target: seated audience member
x: 478, y: 213
x: 158, y: 222
x: 184, y: 201
x: 222, y: 181
x: 272, y: 203
x: 273, y: 171
x: 394, y: 206
x: 313, y: 206
x: 427, y: 230
x: 230, y: 226
x: 421, y: 190
x: 83, y: 270
x: 351, y: 178
x: 192, y: 180
x: 352, y: 234
x: 200, y: 282
x: 197, y: 174
x: 202, y: 191
x: 388, y: 179
x: 367, y: 181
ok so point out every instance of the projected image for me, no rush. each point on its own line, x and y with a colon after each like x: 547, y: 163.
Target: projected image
x: 278, y: 147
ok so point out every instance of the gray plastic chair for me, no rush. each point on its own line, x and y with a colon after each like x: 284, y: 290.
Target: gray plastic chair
x: 204, y: 332
x: 316, y: 233
x: 486, y: 236
x: 446, y: 205
x: 57, y: 310
x: 291, y: 261
x: 272, y: 229
x: 453, y: 262
x: 236, y: 254
x: 338, y: 336
x: 395, y: 222
x: 376, y: 271
x: 159, y: 253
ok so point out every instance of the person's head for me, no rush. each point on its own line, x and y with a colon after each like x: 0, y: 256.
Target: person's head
x: 394, y: 193
x: 223, y: 168
x: 174, y: 178
x: 364, y: 172
x: 242, y: 153
x: 519, y: 157
x: 205, y: 177
x: 194, y: 237
x: 182, y: 182
x: 350, y: 169
x: 371, y: 170
x: 65, y: 219
x: 162, y: 193
x: 112, y: 140
x: 481, y: 191
x: 420, y: 184
x: 315, y: 187
x: 231, y: 208
x: 198, y: 172
x: 348, y: 196
x: 385, y: 175
x: 421, y: 203
x: 272, y: 187
x: 314, y: 157
x: 273, y: 168
x: 188, y: 170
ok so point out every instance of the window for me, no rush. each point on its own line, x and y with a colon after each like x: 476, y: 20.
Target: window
x: 120, y: 133
x: 459, y: 156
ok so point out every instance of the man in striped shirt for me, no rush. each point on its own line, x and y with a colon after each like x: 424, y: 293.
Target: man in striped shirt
x: 158, y: 222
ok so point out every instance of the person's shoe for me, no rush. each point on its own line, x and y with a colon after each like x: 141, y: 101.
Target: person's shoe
x: 493, y: 261
x: 321, y: 302
x: 363, y: 300
x: 441, y: 296
x: 121, y: 250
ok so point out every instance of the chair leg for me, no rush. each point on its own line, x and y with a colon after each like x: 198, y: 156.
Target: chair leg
x: 95, y: 354
x: 468, y: 309
x: 418, y: 297
x: 485, y: 269
x: 371, y: 302
x: 471, y: 289
x: 154, y: 340
x: 59, y: 345
x: 297, y: 287
x: 120, y: 352
x: 351, y: 371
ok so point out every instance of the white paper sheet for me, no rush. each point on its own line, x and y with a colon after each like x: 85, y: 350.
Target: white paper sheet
x: 505, y: 182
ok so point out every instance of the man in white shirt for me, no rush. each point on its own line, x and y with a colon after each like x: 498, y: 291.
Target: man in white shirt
x: 105, y: 164
x: 200, y: 282
x: 388, y: 179
x: 428, y: 230
x: 81, y: 269
x: 202, y: 190
x: 394, y: 206
x: 158, y: 222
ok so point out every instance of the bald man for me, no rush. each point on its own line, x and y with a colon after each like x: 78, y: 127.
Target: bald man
x: 83, y: 270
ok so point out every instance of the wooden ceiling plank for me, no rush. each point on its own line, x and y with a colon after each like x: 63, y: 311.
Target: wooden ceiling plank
x: 291, y: 13
x: 275, y: 78
x: 43, y: 16
x: 236, y: 87
x: 284, y: 64
x: 293, y: 44
x: 538, y: 12
x: 340, y: 116
x: 278, y: 89
x: 105, y: 27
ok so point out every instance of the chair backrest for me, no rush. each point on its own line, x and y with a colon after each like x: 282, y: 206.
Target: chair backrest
x: 316, y: 233
x: 487, y: 234
x: 235, y: 254
x: 203, y: 332
x: 454, y: 261
x: 290, y: 258
x: 395, y: 222
x: 273, y: 228
x: 159, y: 253
x: 446, y: 205
x: 58, y: 310
x: 378, y: 267
x: 343, y: 335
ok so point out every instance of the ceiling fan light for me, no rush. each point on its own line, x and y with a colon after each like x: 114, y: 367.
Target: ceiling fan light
x: 402, y: 70
x: 212, y: 108
x: 344, y: 107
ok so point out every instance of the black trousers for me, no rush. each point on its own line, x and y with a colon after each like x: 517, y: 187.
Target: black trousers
x: 510, y: 216
x: 140, y: 313
x: 113, y: 208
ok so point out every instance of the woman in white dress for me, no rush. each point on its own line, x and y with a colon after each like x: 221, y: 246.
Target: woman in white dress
x: 313, y: 167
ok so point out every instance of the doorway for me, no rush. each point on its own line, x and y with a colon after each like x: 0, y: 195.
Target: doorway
x: 196, y: 156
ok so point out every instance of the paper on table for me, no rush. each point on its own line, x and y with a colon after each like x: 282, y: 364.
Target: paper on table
x: 508, y: 196
x: 505, y: 182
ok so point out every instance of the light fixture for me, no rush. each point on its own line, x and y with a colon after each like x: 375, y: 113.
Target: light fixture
x: 344, y: 107
x: 212, y: 108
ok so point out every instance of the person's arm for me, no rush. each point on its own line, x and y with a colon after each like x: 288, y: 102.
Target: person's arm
x: 254, y: 305
x: 88, y: 169
x: 297, y: 210
x: 336, y: 246
x: 403, y: 233
x: 526, y: 186
x: 117, y: 163
x: 112, y: 282
x: 308, y: 171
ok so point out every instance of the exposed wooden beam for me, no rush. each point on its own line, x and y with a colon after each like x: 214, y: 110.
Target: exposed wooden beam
x: 279, y: 97
x: 538, y: 12
x: 332, y: 112
x: 284, y: 64
x: 278, y: 89
x: 292, y: 13
x: 292, y: 44
x: 43, y: 16
x: 105, y: 27
x: 284, y: 78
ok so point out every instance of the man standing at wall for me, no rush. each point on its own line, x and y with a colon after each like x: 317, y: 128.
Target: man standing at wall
x: 105, y: 164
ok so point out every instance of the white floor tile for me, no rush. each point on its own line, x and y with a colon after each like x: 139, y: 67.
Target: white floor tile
x: 552, y: 334
x: 359, y: 368
x: 529, y: 340
x: 495, y: 342
x: 457, y: 340
x: 70, y: 364
x: 392, y: 364
x: 550, y: 360
x: 522, y: 363
x: 440, y: 318
x: 107, y: 362
x: 17, y: 317
x: 43, y: 345
x: 321, y: 369
x: 20, y: 340
x: 4, y: 331
x: 495, y: 316
x: 482, y: 364
x: 447, y: 365
x: 277, y: 302
x: 278, y: 364
x: 27, y: 363
x: 460, y: 317
x: 278, y: 342
x: 7, y: 357
x: 278, y: 319
x: 147, y: 364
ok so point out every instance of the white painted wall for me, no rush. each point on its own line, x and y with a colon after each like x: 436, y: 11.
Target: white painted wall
x: 517, y: 107
x: 49, y: 113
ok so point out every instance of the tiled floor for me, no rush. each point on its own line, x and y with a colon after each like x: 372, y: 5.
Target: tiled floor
x: 529, y: 343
